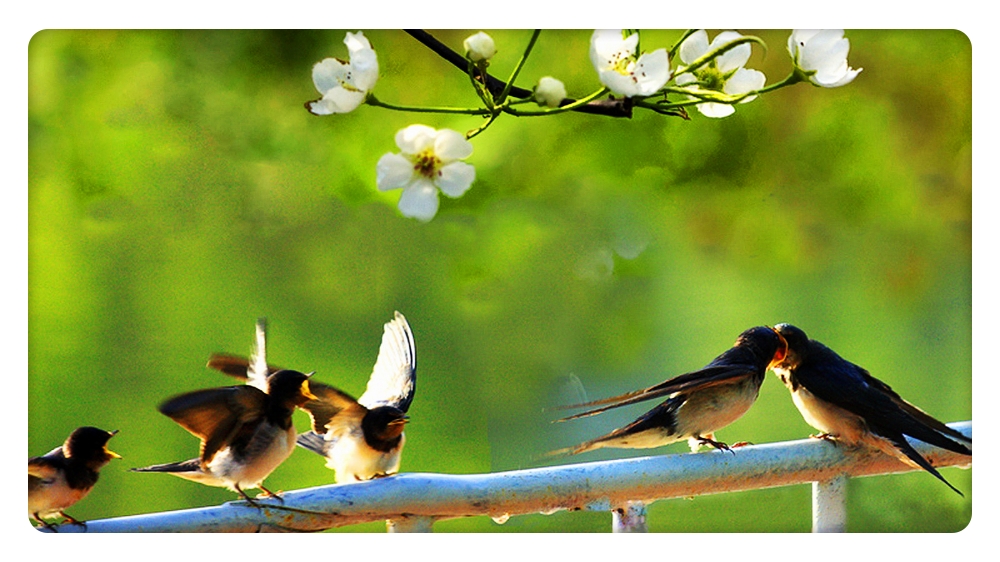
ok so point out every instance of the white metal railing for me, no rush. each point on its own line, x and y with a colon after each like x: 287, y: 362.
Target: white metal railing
x: 412, y: 502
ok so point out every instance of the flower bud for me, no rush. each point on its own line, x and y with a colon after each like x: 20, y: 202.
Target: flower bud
x: 479, y: 47
x: 550, y: 92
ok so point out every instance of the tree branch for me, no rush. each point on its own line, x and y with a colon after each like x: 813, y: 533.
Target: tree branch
x: 621, y: 107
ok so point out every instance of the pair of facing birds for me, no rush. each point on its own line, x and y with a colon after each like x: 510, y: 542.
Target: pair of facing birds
x: 246, y: 431
x: 840, y: 399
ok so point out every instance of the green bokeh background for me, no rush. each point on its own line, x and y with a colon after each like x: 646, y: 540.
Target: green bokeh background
x: 178, y: 190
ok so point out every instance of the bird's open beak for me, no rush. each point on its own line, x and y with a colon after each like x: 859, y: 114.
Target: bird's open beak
x: 782, y: 351
x: 305, y: 390
x: 111, y: 453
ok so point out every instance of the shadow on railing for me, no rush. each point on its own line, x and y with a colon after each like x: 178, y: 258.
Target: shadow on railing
x: 412, y: 502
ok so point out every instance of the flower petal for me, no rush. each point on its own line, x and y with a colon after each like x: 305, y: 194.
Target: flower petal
x: 846, y: 77
x: 733, y: 58
x: 607, y: 46
x: 337, y: 100
x: 621, y: 84
x: 456, y: 178
x: 419, y: 201
x: 356, y: 42
x: 451, y: 145
x: 415, y: 138
x: 694, y: 46
x: 392, y: 172
x: 715, y: 110
x: 364, y: 69
x: 822, y: 50
x: 685, y: 78
x: 744, y: 80
x: 329, y: 73
x: 651, y: 72
x: 798, y: 39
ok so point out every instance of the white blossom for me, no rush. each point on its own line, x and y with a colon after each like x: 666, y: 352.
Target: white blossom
x: 822, y: 56
x: 429, y: 160
x: 621, y: 69
x: 345, y: 85
x: 724, y: 73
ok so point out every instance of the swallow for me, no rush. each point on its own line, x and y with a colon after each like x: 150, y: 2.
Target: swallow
x: 361, y: 439
x: 848, y: 405
x: 245, y: 432
x: 698, y: 403
x: 66, y: 474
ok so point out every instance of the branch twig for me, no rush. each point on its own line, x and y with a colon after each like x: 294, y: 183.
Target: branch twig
x: 612, y: 107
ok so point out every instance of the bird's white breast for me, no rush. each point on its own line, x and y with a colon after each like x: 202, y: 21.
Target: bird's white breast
x: 54, y: 496
x: 828, y: 418
x: 353, y: 459
x: 272, y: 451
x: 711, y: 409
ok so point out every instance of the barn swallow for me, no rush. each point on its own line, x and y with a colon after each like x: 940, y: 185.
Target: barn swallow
x: 363, y: 439
x: 698, y: 403
x: 848, y: 405
x: 66, y: 474
x: 245, y: 433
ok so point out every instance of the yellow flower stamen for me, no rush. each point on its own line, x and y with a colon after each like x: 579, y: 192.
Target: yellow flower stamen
x: 427, y: 163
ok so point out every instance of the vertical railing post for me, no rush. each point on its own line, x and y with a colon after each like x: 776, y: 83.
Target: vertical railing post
x: 830, y: 505
x: 629, y: 518
x: 410, y: 524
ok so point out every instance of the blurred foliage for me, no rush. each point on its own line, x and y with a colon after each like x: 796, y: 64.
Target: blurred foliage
x: 178, y: 190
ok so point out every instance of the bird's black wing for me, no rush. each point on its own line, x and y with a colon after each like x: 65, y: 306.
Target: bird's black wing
x: 833, y: 379
x: 236, y: 366
x: 912, y: 410
x: 216, y: 415
x: 903, y: 445
x: 711, y: 375
x: 330, y: 403
x: 394, y: 377
x: 662, y: 418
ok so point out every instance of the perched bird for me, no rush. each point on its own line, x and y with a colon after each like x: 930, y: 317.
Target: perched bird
x: 361, y: 439
x: 698, y: 403
x: 848, y: 405
x: 66, y: 474
x: 245, y: 432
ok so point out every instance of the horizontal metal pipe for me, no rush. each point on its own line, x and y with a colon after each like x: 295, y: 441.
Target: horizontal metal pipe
x: 585, y: 486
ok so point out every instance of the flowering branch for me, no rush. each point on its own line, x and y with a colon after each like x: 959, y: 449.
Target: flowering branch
x: 608, y: 108
x: 711, y: 77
